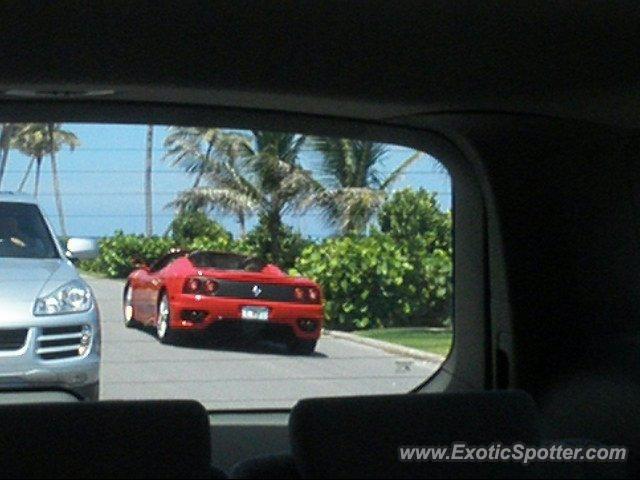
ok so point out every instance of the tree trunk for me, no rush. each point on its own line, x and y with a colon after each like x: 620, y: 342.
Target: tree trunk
x: 8, y: 130
x: 26, y: 175
x: 3, y: 163
x: 148, y: 195
x: 241, y: 221
x: 274, y: 222
x: 56, y: 181
x: 36, y: 188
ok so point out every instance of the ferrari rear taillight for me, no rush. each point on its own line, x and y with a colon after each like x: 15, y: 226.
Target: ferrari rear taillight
x: 192, y: 285
x: 314, y: 295
x: 210, y: 286
x: 307, y: 294
x: 200, y: 286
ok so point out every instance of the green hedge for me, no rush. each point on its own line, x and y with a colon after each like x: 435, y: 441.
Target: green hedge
x: 369, y: 282
x: 116, y: 253
x: 189, y: 226
x: 362, y: 279
x: 372, y: 282
x: 189, y: 231
x: 397, y: 277
x: 258, y: 243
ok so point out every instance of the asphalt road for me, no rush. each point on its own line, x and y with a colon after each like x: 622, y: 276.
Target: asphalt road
x: 136, y: 366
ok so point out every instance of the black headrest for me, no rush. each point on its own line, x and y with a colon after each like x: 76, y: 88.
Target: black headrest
x: 359, y: 437
x: 150, y: 439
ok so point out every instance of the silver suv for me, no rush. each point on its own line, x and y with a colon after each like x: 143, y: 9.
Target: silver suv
x: 49, y: 320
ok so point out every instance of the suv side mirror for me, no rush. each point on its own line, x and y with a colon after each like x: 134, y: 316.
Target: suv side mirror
x: 82, y: 248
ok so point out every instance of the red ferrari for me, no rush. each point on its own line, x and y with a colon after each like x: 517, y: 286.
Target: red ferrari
x: 200, y: 291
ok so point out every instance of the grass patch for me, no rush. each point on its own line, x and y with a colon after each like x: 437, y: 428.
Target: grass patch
x: 438, y: 342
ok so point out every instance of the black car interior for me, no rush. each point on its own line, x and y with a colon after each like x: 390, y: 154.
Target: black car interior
x: 106, y: 440
x: 534, y: 107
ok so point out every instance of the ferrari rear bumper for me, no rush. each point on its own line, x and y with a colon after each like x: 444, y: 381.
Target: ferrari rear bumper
x: 193, y: 312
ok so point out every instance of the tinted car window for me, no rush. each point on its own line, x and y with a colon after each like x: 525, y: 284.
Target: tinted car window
x: 23, y: 232
x: 223, y: 261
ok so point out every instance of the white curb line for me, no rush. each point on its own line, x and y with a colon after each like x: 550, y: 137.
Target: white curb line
x: 386, y: 346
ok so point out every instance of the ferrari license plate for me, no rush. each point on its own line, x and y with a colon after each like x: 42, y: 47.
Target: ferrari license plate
x: 255, y: 313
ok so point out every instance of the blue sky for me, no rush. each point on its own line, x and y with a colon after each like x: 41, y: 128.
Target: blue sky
x: 103, y: 186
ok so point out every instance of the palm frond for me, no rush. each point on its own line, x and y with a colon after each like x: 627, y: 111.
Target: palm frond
x: 348, y: 209
x: 298, y: 189
x: 206, y: 198
x: 33, y: 140
x: 338, y: 164
x: 356, y: 206
x: 367, y: 156
x: 395, y: 175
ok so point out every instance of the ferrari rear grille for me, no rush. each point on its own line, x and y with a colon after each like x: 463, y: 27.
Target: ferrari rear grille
x: 55, y: 343
x: 12, y: 339
x: 261, y: 291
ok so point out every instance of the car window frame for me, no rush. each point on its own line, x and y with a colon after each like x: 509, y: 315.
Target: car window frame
x: 476, y: 236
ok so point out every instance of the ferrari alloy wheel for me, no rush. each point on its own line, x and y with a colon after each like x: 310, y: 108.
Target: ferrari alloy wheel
x: 127, y: 307
x: 302, y: 347
x: 163, y: 324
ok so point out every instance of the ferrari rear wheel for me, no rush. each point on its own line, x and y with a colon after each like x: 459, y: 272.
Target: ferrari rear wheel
x: 163, y: 324
x: 302, y: 347
x: 127, y: 307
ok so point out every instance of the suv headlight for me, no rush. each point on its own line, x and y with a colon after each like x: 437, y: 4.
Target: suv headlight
x: 73, y: 297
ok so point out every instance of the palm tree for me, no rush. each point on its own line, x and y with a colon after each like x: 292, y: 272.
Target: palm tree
x: 354, y: 188
x: 255, y: 174
x: 57, y: 139
x: 7, y: 133
x: 148, y: 172
x: 33, y: 141
x: 25, y: 177
x: 37, y: 140
x: 200, y: 151
x: 194, y: 149
x: 221, y: 166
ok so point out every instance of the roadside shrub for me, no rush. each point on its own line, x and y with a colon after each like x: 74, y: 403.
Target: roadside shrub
x: 372, y: 282
x: 188, y: 226
x: 258, y: 242
x: 414, y: 214
x: 362, y: 279
x: 117, y: 251
x: 190, y: 231
x: 428, y: 286
x: 220, y: 243
x: 423, y: 232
